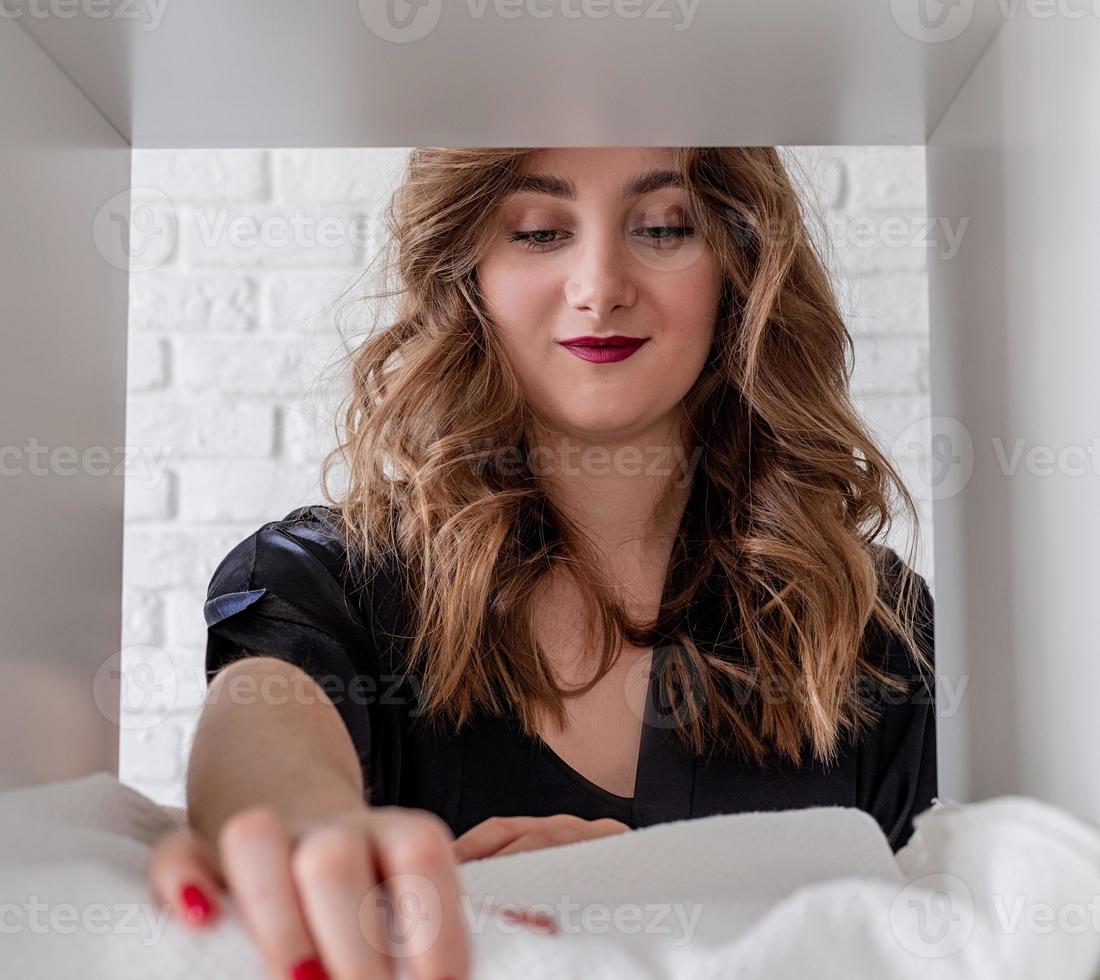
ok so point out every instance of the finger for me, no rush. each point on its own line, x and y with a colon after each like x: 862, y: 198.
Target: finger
x: 421, y: 876
x: 534, y: 841
x: 333, y: 868
x: 183, y: 876
x: 255, y: 849
x: 554, y: 835
x: 487, y: 837
x: 608, y: 825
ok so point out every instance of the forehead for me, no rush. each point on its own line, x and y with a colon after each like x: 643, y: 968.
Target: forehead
x: 576, y: 173
x: 582, y: 158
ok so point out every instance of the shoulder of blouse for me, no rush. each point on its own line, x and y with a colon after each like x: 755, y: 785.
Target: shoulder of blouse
x: 897, y: 659
x: 376, y: 588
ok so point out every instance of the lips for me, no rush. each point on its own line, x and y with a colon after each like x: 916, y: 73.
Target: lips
x: 614, y: 340
x: 602, y: 350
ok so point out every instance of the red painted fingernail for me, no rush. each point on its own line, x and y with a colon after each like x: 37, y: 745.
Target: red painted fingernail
x: 534, y: 920
x: 309, y: 969
x: 196, y: 905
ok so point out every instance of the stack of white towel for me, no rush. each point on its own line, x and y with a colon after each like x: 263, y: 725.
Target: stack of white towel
x: 1005, y: 888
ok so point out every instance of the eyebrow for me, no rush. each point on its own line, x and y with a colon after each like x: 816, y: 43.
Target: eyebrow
x: 564, y: 188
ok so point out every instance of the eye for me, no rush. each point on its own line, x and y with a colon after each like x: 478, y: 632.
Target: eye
x: 673, y: 234
x: 666, y: 234
x: 532, y: 239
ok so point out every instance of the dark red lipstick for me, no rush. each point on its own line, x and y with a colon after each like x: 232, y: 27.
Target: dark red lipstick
x: 601, y: 350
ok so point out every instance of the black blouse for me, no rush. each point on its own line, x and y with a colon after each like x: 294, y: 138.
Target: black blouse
x: 284, y: 591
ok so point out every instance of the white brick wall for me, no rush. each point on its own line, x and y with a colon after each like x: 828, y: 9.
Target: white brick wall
x: 231, y: 332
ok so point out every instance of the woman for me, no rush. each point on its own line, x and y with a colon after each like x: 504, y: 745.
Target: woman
x: 606, y: 558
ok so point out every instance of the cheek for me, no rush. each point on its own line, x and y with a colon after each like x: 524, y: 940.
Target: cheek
x: 691, y: 302
x: 517, y: 296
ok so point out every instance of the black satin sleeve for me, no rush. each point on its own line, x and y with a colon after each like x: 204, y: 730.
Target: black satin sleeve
x: 897, y: 764
x: 282, y: 592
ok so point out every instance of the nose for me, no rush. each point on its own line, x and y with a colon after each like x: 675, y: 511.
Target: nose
x: 601, y: 278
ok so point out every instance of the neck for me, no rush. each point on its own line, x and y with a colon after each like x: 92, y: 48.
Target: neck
x: 627, y: 493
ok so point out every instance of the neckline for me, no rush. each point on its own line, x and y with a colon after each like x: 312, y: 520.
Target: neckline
x: 651, y: 685
x: 651, y: 702
x: 579, y: 777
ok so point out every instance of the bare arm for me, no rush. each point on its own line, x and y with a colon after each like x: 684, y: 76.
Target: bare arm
x: 277, y: 817
x: 269, y: 735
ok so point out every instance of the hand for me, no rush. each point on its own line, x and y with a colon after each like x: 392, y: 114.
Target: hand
x: 510, y: 835
x: 306, y: 890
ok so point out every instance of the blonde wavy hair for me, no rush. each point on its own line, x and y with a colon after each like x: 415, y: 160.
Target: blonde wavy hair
x: 788, y: 497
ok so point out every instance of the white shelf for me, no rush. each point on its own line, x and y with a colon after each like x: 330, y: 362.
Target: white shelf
x: 293, y: 73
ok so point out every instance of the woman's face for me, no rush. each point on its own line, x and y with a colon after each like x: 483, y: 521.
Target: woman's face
x: 583, y: 253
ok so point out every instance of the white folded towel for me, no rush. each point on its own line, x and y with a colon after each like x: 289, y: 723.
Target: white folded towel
x: 1003, y: 888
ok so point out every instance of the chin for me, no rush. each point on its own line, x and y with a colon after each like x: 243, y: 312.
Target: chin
x: 598, y: 424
